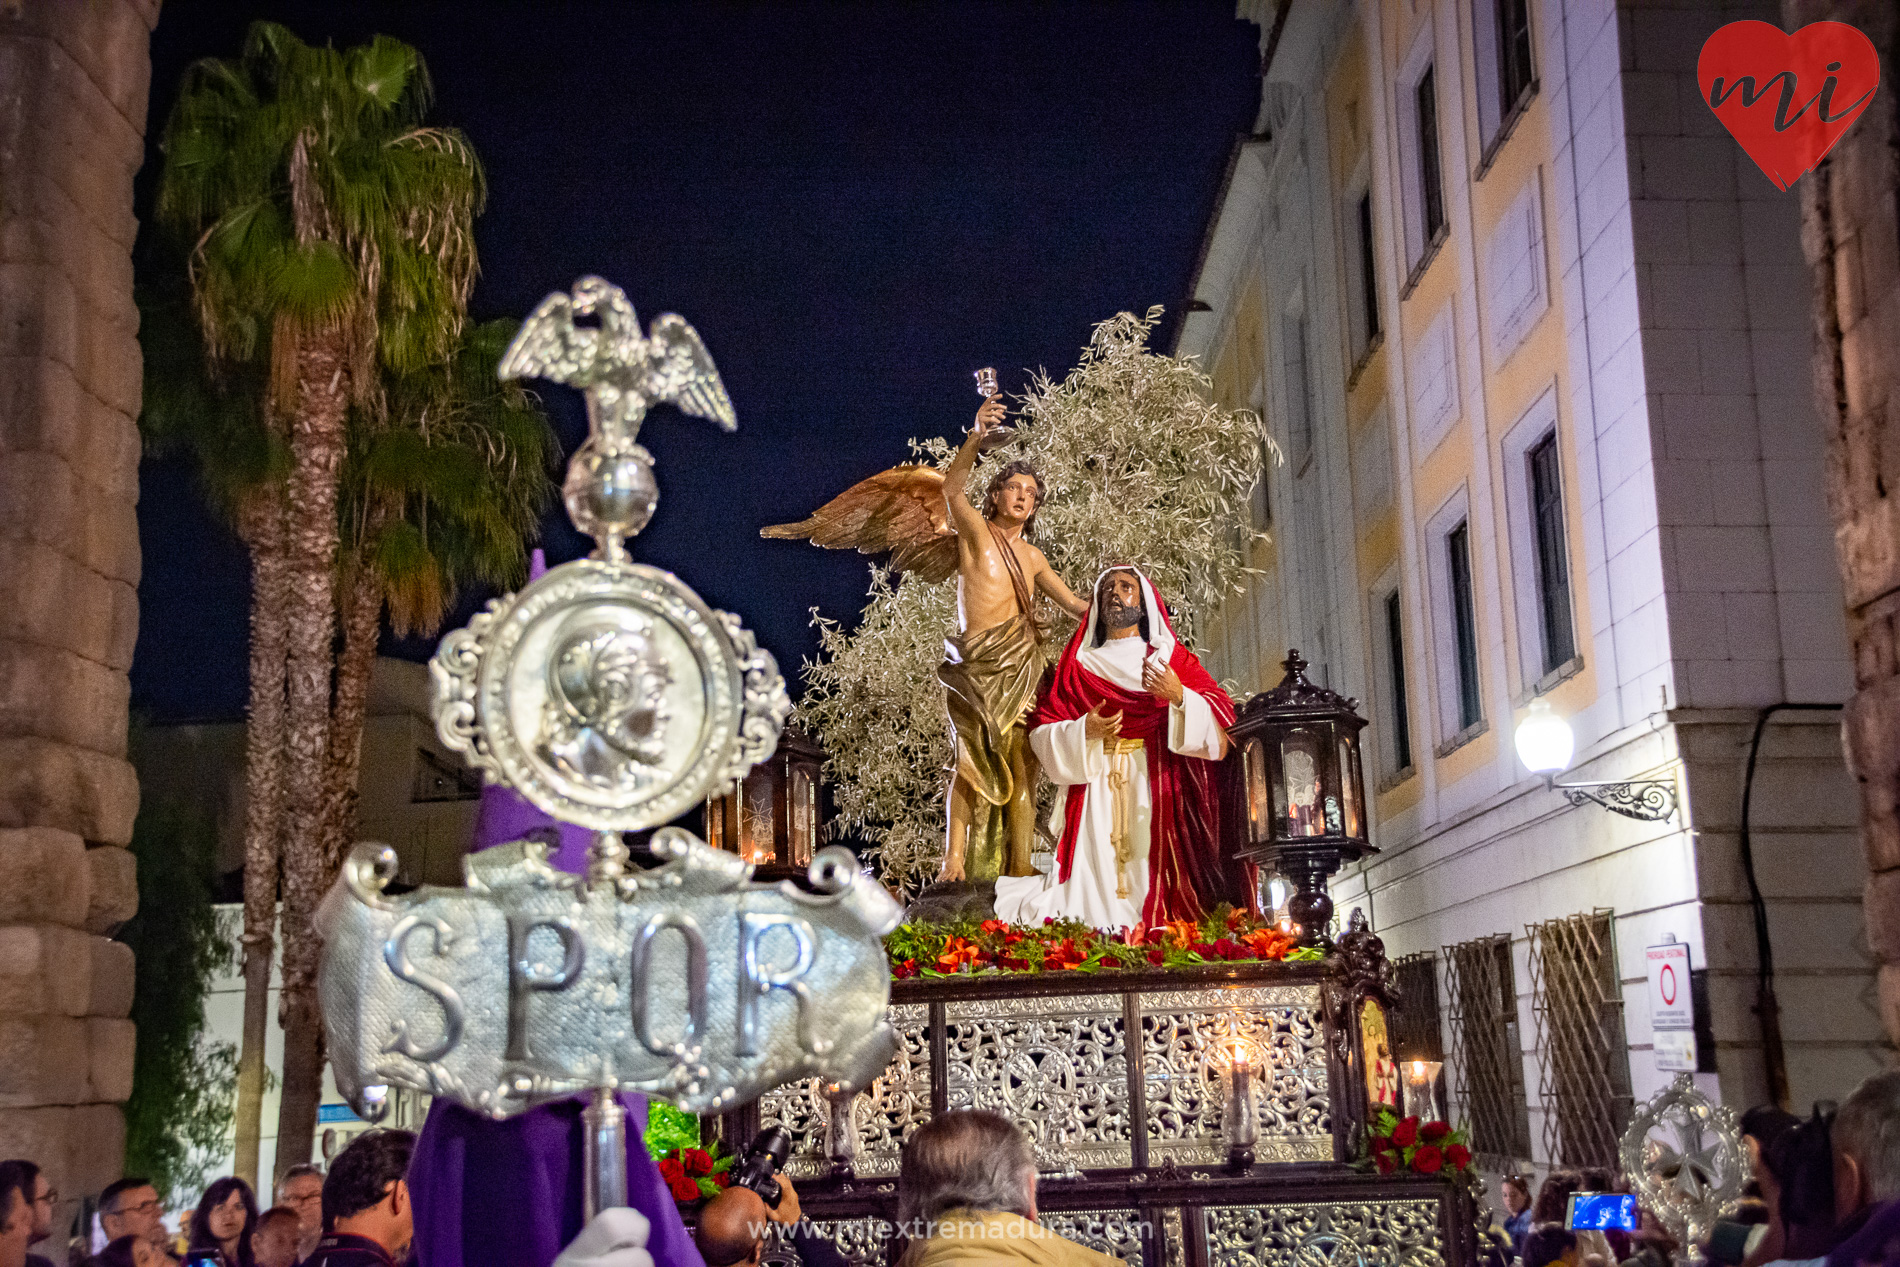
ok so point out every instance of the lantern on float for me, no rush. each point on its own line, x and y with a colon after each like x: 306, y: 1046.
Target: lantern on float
x: 771, y: 820
x: 1302, y: 796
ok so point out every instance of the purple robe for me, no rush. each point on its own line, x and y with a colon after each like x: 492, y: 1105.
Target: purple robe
x: 509, y: 1192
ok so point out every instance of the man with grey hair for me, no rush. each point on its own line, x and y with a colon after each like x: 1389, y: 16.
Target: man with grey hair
x: 966, y: 1195
x: 1866, y: 1141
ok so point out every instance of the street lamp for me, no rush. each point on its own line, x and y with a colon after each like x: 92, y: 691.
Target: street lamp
x: 1545, y: 746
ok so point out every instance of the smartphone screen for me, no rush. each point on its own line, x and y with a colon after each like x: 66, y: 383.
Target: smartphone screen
x: 1601, y: 1212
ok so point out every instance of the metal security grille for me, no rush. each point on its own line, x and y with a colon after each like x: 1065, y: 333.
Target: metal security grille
x: 1417, y: 1033
x: 1487, y: 1054
x: 1582, y: 1055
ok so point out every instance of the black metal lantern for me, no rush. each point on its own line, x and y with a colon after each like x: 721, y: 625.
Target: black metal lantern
x: 772, y: 820
x: 1302, y: 810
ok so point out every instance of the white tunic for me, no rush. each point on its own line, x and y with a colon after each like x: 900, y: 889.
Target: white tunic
x: 1068, y: 757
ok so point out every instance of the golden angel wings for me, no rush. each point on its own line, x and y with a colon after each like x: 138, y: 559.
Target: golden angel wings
x: 900, y: 510
x: 622, y: 373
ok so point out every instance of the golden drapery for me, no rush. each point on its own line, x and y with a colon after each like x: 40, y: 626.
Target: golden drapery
x: 989, y: 680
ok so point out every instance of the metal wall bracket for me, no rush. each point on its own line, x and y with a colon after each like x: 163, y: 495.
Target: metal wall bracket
x: 1647, y: 800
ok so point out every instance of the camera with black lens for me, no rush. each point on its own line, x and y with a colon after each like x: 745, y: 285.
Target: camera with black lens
x: 757, y: 1168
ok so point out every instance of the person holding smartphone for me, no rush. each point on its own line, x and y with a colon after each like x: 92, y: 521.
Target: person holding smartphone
x: 222, y: 1225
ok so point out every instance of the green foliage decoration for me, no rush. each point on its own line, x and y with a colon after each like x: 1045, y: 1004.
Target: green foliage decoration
x: 178, y: 1121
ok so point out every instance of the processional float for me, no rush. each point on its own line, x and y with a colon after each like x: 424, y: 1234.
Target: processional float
x: 609, y: 695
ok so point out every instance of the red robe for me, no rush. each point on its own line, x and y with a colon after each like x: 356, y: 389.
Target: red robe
x: 1184, y: 863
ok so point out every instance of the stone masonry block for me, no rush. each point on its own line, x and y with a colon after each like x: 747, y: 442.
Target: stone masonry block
x: 81, y: 1148
x: 1883, y: 915
x: 110, y: 1044
x: 37, y: 974
x: 108, y: 40
x: 44, y: 499
x: 47, y: 877
x: 47, y: 598
x: 43, y: 409
x: 48, y: 784
x: 113, y: 896
x: 39, y: 313
x: 113, y: 966
x: 43, y: 1060
x: 58, y: 695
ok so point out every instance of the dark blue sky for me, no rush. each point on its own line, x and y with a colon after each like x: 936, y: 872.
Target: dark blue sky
x: 856, y: 205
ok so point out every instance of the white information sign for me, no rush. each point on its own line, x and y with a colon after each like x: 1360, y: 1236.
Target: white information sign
x: 1675, y: 1050
x: 1670, y: 1006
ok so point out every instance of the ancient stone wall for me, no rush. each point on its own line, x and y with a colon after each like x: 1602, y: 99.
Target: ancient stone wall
x: 74, y: 79
x: 1851, y: 234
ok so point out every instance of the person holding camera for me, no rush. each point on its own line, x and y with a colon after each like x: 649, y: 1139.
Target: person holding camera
x: 733, y: 1225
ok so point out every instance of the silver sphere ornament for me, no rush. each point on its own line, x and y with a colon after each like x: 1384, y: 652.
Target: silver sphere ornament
x: 610, y: 492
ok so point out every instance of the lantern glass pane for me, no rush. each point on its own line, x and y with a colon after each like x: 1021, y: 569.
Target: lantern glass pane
x: 804, y: 816
x: 1306, y: 805
x: 755, y: 819
x: 1349, y: 785
x: 1258, y: 803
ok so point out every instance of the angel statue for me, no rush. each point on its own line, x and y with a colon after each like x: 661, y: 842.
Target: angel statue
x: 993, y: 663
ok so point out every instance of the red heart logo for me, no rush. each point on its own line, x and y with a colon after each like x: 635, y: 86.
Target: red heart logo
x: 1787, y: 98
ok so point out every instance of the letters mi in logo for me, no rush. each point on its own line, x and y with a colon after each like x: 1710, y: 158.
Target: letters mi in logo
x: 1787, y: 98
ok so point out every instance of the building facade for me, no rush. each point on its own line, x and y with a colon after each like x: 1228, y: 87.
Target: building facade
x: 1532, y: 333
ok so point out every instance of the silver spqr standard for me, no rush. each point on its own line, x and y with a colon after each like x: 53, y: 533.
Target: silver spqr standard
x: 609, y: 695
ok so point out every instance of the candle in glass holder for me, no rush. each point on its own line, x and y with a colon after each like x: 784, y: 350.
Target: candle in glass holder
x: 1240, y: 1123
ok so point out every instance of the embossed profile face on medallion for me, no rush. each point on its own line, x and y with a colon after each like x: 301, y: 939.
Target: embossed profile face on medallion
x: 610, y: 701
x: 604, y: 722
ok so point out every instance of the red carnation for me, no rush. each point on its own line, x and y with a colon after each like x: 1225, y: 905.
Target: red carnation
x: 1432, y: 1132
x: 696, y: 1161
x: 1427, y: 1159
x: 1405, y: 1134
x: 1387, y: 1162
x: 1457, y: 1156
x: 906, y: 969
x: 1204, y: 950
x: 1157, y: 957
x: 683, y: 1189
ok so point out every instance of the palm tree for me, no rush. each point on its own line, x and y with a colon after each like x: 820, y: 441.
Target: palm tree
x: 331, y: 241
x: 445, y: 491
x: 240, y: 456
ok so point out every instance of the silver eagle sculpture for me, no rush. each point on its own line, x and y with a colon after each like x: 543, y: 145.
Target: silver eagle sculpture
x: 610, y: 490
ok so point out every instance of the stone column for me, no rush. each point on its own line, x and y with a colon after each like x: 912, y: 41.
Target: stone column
x: 74, y: 78
x: 1851, y: 234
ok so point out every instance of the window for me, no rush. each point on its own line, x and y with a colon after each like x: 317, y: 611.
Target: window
x: 1431, y: 185
x: 1395, y: 661
x: 1417, y: 1032
x: 440, y: 778
x: 1487, y: 1050
x: 1261, y: 500
x: 1368, y: 273
x: 1583, y: 1054
x: 1515, y: 74
x: 1464, y: 625
x: 1553, y: 571
x: 1506, y: 69
x: 1299, y: 402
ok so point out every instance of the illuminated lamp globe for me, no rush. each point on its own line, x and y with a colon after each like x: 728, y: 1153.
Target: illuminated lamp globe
x: 1544, y: 741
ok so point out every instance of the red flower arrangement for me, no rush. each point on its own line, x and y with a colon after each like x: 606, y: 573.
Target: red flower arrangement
x: 1395, y: 1143
x: 692, y: 1174
x: 968, y: 946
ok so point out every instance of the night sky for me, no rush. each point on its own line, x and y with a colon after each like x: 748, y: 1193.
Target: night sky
x: 856, y: 205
